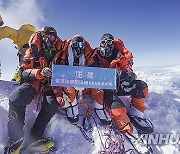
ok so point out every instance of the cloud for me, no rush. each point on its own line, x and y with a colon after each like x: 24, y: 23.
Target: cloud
x: 14, y: 14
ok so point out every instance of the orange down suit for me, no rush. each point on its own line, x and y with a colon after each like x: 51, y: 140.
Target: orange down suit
x: 34, y: 61
x: 120, y: 59
x: 71, y: 92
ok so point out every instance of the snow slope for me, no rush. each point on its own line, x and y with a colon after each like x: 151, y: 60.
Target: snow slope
x: 163, y: 109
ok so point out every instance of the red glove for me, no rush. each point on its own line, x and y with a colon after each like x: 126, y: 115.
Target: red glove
x: 60, y: 100
x: 121, y: 61
x: 59, y: 96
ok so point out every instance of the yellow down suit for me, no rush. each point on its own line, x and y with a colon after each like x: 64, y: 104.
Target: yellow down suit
x: 20, y: 37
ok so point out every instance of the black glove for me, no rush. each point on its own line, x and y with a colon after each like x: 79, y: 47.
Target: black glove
x: 124, y: 81
x: 127, y: 76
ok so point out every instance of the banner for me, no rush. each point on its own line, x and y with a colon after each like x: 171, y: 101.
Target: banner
x: 83, y: 77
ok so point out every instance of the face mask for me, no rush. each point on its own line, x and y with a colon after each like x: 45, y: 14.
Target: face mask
x: 105, y: 52
x: 78, y: 49
x: 48, y: 44
x: 77, y: 52
x: 106, y: 47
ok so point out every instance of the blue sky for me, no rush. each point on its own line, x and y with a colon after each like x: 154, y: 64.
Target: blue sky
x: 148, y: 28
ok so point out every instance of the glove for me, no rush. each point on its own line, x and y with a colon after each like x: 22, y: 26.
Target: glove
x: 121, y: 60
x: 67, y: 101
x: 60, y: 100
x: 59, y: 96
x: 125, y: 81
x: 127, y: 87
x: 46, y: 72
x: 127, y: 76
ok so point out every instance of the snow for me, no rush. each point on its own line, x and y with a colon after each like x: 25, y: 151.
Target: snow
x: 163, y: 109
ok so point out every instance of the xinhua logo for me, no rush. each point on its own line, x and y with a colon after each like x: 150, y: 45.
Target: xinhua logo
x: 161, y: 139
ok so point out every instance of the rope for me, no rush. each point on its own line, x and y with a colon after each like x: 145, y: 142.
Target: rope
x: 87, y: 115
x: 114, y: 144
x: 86, y: 120
x: 84, y: 134
x: 99, y: 134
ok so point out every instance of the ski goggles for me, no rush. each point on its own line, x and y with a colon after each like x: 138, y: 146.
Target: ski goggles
x: 50, y: 37
x: 80, y: 45
x: 106, y: 42
x: 49, y: 31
